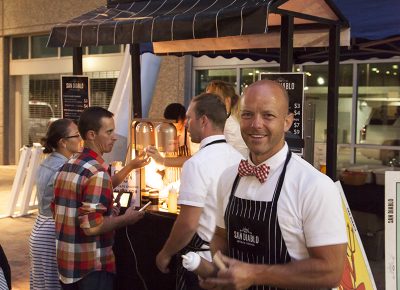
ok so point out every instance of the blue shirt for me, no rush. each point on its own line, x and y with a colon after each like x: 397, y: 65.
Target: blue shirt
x: 45, y: 181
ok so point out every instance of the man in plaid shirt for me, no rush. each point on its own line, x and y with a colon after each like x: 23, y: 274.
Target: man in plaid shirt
x: 83, y: 206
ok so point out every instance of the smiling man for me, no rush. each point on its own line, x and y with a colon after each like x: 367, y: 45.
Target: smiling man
x: 279, y: 220
x: 85, y: 217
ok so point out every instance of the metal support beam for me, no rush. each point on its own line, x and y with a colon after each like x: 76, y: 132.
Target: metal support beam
x: 286, y: 52
x: 136, y: 85
x: 8, y: 106
x: 77, y: 68
x: 333, y: 101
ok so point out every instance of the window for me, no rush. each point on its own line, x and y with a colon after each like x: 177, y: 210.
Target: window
x: 20, y: 47
x: 251, y: 75
x: 66, y: 51
x: 43, y: 100
x: 39, y: 49
x: 103, y: 49
x: 101, y: 91
x: 378, y: 104
x: 316, y: 92
x: 203, y: 77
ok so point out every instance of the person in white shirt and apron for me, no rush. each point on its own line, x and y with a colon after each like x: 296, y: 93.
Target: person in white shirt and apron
x: 194, y: 226
x: 279, y: 219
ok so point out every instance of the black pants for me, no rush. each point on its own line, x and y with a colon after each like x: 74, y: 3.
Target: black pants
x: 191, y: 281
x: 97, y: 280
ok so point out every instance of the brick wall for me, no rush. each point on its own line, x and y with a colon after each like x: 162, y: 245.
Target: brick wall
x: 170, y: 85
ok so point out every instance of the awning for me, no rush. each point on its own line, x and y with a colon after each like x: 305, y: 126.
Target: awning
x: 200, y: 25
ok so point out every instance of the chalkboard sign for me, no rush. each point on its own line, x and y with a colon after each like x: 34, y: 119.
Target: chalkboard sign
x: 294, y: 85
x: 74, y: 96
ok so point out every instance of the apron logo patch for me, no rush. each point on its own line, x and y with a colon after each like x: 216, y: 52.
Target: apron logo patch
x: 246, y: 237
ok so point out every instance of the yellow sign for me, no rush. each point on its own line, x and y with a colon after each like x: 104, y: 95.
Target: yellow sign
x: 357, y: 273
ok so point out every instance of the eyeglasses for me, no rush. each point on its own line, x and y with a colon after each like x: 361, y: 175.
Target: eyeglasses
x: 73, y: 136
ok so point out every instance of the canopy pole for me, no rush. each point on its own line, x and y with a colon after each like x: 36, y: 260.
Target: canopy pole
x: 77, y: 67
x: 286, y: 52
x: 333, y: 101
x: 136, y: 85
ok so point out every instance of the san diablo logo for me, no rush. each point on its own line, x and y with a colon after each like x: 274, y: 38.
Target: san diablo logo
x: 245, y: 236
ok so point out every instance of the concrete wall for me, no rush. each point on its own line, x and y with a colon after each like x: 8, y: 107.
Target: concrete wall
x: 170, y: 85
x: 31, y: 16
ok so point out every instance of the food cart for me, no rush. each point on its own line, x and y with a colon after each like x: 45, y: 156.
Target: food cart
x: 275, y: 28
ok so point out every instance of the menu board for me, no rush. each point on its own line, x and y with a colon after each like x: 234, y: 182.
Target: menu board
x: 74, y: 96
x: 294, y: 85
x: 392, y: 229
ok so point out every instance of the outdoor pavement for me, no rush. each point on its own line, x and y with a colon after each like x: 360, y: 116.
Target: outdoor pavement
x: 14, y: 233
x: 14, y: 238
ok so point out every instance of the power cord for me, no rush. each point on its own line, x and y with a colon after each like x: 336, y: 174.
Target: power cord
x: 136, y: 261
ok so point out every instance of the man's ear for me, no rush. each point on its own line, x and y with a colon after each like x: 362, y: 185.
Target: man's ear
x: 288, y: 121
x: 204, y: 121
x: 90, y: 135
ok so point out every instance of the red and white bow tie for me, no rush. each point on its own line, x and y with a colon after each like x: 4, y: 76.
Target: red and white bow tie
x: 246, y: 169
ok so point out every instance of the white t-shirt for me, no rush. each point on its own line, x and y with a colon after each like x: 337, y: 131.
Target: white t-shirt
x: 310, y: 210
x: 234, y: 136
x: 199, y: 179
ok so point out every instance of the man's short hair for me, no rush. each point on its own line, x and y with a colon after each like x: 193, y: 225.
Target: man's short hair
x: 90, y: 119
x: 211, y: 106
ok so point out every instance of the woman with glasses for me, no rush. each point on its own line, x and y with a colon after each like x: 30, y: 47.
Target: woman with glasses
x: 62, y: 141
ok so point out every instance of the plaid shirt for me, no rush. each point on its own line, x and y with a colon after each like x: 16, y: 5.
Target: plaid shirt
x: 83, y: 197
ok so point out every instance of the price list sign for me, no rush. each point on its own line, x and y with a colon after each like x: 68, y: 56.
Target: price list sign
x: 294, y: 85
x: 74, y: 95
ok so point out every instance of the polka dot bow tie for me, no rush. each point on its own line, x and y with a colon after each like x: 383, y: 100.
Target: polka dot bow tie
x: 246, y: 169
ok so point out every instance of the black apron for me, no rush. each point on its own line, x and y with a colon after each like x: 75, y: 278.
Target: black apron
x: 186, y: 280
x: 254, y: 235
x: 183, y: 150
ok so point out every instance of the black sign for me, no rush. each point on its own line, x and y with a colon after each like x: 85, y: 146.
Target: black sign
x: 74, y: 95
x: 294, y: 85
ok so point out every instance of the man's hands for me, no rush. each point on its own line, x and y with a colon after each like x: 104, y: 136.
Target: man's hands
x: 162, y: 261
x: 152, y: 152
x: 140, y: 161
x: 132, y: 216
x: 116, y: 210
x: 236, y: 276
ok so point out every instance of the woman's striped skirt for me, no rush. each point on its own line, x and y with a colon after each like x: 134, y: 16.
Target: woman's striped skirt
x: 3, y: 282
x: 42, y: 245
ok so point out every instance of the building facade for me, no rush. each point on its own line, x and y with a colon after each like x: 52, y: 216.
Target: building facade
x: 30, y: 83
